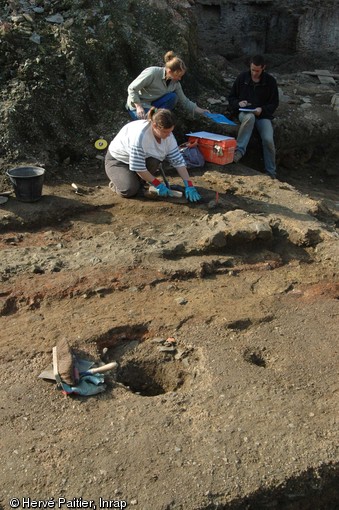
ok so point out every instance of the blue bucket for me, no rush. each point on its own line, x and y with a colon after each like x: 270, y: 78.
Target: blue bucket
x: 27, y: 182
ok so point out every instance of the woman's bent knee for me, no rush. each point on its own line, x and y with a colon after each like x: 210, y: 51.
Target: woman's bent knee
x: 127, y: 192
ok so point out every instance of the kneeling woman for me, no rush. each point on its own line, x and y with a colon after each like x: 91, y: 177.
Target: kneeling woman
x: 134, y: 156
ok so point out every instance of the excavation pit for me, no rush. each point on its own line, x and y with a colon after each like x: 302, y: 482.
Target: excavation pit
x: 149, y: 378
x: 149, y: 371
x: 255, y: 357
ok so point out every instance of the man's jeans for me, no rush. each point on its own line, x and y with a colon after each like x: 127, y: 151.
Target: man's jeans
x: 265, y: 129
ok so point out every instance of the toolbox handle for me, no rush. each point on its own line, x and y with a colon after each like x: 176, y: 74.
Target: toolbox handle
x: 218, y: 150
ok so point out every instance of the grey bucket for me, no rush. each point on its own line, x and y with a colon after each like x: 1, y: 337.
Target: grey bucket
x: 27, y: 182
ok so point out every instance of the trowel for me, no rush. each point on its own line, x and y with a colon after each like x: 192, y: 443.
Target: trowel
x: 84, y: 367
x: 176, y: 190
x: 77, y: 190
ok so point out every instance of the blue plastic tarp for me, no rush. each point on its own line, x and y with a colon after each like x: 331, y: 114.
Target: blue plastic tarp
x: 220, y: 119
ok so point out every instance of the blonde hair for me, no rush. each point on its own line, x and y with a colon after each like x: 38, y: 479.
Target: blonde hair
x: 164, y: 119
x: 174, y: 63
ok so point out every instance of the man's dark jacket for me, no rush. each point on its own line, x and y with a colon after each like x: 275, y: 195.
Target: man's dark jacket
x: 264, y: 93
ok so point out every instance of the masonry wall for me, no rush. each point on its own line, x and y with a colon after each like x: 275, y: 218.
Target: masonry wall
x: 233, y: 29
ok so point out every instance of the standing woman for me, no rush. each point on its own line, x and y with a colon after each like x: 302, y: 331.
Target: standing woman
x: 159, y: 87
x: 134, y: 156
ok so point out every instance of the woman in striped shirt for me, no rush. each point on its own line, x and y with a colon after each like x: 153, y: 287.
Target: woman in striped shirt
x: 134, y: 156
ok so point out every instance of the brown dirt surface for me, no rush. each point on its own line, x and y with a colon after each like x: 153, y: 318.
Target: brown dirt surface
x: 238, y: 409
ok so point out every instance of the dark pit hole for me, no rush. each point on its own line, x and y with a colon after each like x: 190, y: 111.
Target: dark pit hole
x: 255, y: 357
x: 240, y: 325
x: 143, y: 368
x: 150, y: 377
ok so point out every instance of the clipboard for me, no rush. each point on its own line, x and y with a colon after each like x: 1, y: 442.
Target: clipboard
x: 247, y: 110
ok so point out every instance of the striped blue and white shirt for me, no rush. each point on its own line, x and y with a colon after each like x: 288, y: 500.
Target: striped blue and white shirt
x: 135, y: 142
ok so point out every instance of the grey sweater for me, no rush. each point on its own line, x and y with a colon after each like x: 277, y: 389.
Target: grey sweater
x: 150, y: 85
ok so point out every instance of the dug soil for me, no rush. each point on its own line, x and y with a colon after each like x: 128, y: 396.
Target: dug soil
x: 223, y: 317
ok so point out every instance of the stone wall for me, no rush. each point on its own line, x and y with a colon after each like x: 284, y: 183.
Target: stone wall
x: 319, y: 29
x: 233, y: 29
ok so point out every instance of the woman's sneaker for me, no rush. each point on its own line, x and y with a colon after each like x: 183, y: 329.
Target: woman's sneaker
x: 112, y: 187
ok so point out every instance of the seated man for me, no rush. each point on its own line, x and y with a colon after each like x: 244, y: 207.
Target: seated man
x: 257, y: 91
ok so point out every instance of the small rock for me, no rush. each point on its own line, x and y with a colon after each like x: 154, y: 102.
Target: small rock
x: 95, y: 260
x: 37, y: 270
x: 180, y: 354
x: 170, y: 348
x: 101, y: 290
x: 17, y: 18
x: 28, y: 17
x: 35, y: 38
x: 56, y: 18
x: 306, y: 106
x: 210, y: 100
x: 181, y: 301
x: 158, y: 340
x: 69, y: 22
x: 171, y: 340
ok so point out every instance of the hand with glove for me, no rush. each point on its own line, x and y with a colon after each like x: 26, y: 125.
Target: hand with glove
x: 161, y: 189
x: 191, y: 193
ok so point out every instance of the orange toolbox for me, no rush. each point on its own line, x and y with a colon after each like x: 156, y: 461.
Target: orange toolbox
x: 215, y: 148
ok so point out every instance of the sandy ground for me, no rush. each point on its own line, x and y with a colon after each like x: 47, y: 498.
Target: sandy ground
x: 238, y: 410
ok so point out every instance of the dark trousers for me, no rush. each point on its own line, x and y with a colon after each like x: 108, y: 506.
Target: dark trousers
x: 123, y: 181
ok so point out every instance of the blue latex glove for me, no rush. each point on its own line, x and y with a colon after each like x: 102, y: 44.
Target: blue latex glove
x: 163, y: 191
x: 88, y: 385
x: 191, y: 193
